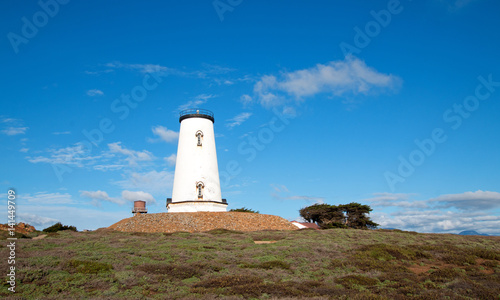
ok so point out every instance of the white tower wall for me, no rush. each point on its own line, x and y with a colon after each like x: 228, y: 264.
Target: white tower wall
x: 196, y: 166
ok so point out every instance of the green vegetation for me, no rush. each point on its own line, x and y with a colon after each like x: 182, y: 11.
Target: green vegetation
x: 244, y: 209
x: 352, y: 215
x: 59, y: 227
x: 225, y: 264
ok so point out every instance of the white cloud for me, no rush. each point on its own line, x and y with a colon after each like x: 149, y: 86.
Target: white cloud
x: 132, y: 156
x: 478, y: 200
x: 61, y: 132
x: 238, y: 120
x: 140, y: 195
x: 171, y: 159
x: 24, y: 150
x: 348, y: 76
x: 164, y: 134
x: 152, y: 181
x: 100, y: 195
x: 196, y: 102
x: 94, y: 92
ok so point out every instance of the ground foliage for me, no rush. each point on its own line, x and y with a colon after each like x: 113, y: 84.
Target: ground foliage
x: 222, y: 264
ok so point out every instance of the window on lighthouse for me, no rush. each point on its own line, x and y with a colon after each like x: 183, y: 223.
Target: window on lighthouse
x: 200, y: 190
x: 199, y: 135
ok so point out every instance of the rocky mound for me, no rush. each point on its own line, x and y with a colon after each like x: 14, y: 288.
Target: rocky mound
x: 20, y: 227
x: 201, y: 221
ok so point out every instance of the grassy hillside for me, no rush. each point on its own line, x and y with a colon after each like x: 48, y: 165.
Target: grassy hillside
x: 337, y: 263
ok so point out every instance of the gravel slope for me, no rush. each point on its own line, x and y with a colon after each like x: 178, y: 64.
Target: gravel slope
x: 201, y: 221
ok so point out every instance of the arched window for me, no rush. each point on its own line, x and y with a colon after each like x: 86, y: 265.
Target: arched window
x: 199, y: 135
x: 199, y: 188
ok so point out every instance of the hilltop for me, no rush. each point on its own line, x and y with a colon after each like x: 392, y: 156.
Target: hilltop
x: 201, y: 221
x: 224, y: 264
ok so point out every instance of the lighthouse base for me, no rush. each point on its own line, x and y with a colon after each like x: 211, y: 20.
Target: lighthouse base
x: 196, y: 206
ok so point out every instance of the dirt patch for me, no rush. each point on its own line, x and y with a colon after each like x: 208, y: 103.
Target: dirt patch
x: 202, y: 221
x: 419, y: 269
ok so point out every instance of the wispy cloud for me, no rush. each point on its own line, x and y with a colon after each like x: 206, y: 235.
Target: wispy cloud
x: 152, y: 181
x: 478, y: 200
x: 171, y: 159
x: 97, y: 196
x: 13, y: 126
x: 438, y: 221
x: 164, y: 134
x: 281, y: 192
x: 14, y: 130
x: 74, y: 155
x: 196, y: 102
x: 238, y: 120
x: 139, y: 195
x: 61, y: 132
x: 126, y: 196
x: 36, y: 220
x: 94, y: 92
x: 465, y: 211
x: 24, y: 150
x: 337, y: 78
x: 45, y: 198
x: 395, y: 200
x: 142, y: 68
x: 132, y: 156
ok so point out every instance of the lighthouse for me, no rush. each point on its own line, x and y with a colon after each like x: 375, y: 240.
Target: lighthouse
x: 196, y: 179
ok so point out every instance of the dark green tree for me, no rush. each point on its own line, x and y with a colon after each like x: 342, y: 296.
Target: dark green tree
x: 357, y: 216
x: 352, y: 215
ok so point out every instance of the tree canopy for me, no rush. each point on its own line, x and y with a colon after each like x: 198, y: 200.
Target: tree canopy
x: 352, y: 215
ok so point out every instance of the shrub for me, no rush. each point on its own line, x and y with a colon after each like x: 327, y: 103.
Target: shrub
x: 171, y: 270
x: 351, y: 280
x: 244, y: 209
x: 87, y: 267
x: 59, y: 227
x: 268, y: 265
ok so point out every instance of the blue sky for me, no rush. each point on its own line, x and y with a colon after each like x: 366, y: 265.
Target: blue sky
x: 394, y: 104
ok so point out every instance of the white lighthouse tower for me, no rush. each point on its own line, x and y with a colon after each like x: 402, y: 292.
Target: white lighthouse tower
x: 196, y: 179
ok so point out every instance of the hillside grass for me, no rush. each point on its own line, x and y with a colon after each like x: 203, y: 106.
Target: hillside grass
x: 304, y: 264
